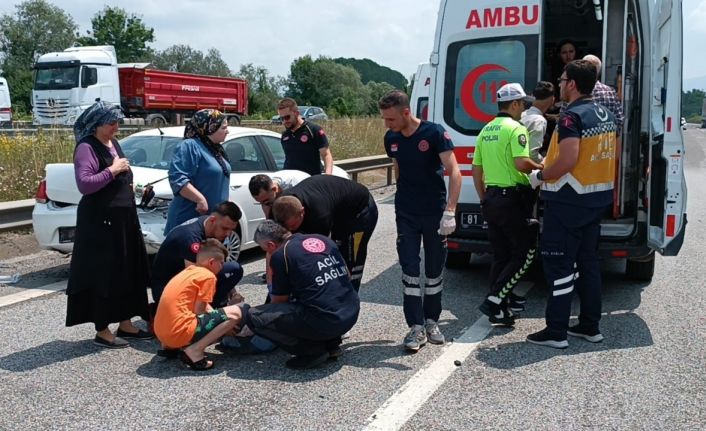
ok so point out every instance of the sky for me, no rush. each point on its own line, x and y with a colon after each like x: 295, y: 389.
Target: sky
x: 395, y: 33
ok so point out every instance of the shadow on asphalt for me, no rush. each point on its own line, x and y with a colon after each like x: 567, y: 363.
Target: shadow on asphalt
x: 622, y: 331
x: 46, y: 354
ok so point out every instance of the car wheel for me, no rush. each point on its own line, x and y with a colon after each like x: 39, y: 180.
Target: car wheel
x: 233, y: 245
x: 233, y: 121
x: 640, y: 270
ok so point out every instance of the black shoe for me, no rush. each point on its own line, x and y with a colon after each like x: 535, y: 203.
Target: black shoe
x: 168, y: 353
x: 335, y: 353
x: 497, y: 315
x: 304, y: 362
x: 139, y: 335
x: 593, y: 336
x: 546, y: 338
x: 516, y: 303
x: 117, y: 343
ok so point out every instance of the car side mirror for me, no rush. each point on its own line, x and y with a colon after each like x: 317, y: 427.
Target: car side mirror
x: 89, y: 76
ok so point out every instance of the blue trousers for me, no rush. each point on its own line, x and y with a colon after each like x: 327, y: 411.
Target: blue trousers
x: 227, y: 278
x: 569, y: 250
x: 412, y: 230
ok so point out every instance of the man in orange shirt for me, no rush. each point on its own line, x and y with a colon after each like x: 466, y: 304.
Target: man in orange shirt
x: 185, y: 318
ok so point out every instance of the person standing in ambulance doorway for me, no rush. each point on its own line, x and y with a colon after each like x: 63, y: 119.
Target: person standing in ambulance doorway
x: 577, y: 190
x: 421, y: 151
x: 501, y: 163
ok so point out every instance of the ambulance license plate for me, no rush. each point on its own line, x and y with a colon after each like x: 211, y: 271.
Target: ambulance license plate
x: 471, y: 220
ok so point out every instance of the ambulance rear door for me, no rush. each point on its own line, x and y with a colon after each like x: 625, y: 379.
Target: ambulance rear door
x: 478, y: 47
x: 420, y: 92
x: 667, y: 199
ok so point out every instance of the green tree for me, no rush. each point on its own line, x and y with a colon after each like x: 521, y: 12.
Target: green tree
x: 183, y: 58
x: 322, y: 82
x: 36, y: 28
x: 376, y: 90
x: 691, y: 102
x: 264, y: 91
x: 127, y: 33
x: 371, y: 71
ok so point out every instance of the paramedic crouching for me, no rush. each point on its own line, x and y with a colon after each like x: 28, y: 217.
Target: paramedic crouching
x: 313, y: 300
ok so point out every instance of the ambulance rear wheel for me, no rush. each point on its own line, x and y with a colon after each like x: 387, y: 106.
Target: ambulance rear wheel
x: 458, y: 259
x: 642, y: 269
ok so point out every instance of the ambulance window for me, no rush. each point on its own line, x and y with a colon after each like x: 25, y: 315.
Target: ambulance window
x: 423, y: 108
x: 474, y: 72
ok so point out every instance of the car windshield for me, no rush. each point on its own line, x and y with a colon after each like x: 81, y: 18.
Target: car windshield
x: 57, y: 78
x: 303, y: 109
x: 150, y: 151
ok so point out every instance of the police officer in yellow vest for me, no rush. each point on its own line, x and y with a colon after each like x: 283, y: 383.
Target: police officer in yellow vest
x: 501, y: 163
x: 577, y: 190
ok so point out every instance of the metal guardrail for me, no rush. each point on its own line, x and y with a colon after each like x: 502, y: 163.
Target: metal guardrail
x: 18, y: 214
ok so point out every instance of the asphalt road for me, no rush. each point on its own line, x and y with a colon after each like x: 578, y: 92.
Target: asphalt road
x: 647, y: 374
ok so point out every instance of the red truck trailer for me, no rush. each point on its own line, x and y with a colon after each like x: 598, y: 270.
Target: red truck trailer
x: 160, y: 97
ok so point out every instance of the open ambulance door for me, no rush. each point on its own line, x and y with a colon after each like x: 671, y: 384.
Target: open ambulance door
x: 667, y: 185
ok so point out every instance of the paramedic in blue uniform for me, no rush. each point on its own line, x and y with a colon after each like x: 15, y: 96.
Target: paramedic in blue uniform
x: 335, y: 206
x: 305, y: 144
x: 313, y: 300
x: 577, y: 189
x: 421, y: 151
x: 500, y: 166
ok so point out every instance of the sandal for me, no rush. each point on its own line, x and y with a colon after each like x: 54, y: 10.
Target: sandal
x: 168, y: 353
x: 202, y: 364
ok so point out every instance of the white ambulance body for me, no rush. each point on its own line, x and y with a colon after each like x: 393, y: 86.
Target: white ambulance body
x: 419, y: 101
x: 482, y: 44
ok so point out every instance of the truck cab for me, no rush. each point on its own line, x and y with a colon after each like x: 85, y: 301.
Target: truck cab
x: 479, y: 46
x: 5, y: 103
x: 68, y: 82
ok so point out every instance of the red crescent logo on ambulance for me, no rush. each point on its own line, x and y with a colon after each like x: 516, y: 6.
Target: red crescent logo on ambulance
x: 469, y: 84
x: 313, y: 245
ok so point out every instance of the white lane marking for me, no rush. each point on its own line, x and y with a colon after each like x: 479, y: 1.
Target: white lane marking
x: 32, y: 293
x: 404, y: 403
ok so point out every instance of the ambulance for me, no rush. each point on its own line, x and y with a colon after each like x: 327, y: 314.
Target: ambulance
x: 419, y: 101
x: 481, y: 45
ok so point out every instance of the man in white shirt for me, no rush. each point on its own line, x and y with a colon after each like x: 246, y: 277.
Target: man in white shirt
x: 533, y: 118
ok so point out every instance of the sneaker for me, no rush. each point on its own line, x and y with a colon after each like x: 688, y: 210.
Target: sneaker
x: 497, y: 315
x: 434, y: 334
x: 304, y: 362
x: 593, y: 336
x: 415, y: 339
x: 546, y: 338
x: 516, y: 303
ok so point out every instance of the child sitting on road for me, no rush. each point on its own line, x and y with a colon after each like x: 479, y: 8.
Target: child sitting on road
x: 184, y: 318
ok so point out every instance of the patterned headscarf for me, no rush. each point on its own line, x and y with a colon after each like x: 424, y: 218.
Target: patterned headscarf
x: 203, y: 123
x: 99, y: 114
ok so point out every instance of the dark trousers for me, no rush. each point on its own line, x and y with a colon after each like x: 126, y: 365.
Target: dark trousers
x: 512, y: 236
x: 285, y: 325
x: 412, y: 230
x: 569, y: 251
x: 353, y: 241
x: 227, y: 278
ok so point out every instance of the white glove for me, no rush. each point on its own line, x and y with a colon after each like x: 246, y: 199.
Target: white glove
x: 448, y: 223
x: 534, y: 181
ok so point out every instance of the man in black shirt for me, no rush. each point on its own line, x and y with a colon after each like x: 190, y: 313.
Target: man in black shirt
x: 335, y: 206
x: 313, y: 301
x: 304, y: 143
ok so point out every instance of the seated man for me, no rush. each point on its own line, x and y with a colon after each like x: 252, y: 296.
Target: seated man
x: 184, y: 317
x: 313, y: 300
x: 334, y: 206
x: 179, y: 248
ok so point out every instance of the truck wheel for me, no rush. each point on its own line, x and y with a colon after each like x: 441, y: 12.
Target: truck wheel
x: 640, y: 270
x: 155, y: 120
x: 234, y: 121
x: 458, y: 259
x: 232, y: 243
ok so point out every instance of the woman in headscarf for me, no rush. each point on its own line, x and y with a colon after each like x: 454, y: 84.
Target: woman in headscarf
x: 109, y: 269
x: 199, y: 172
